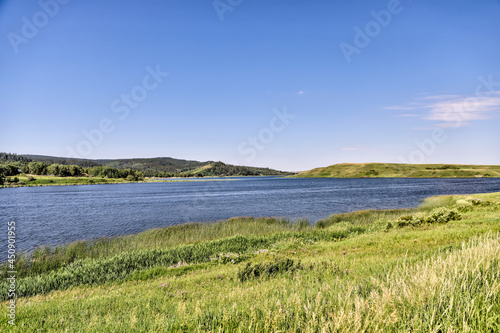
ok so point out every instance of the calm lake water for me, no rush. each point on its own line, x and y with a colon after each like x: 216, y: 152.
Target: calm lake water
x: 60, y: 214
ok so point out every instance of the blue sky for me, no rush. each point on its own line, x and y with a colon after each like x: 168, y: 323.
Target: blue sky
x: 285, y: 84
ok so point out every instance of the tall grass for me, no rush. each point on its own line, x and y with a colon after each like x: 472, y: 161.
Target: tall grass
x: 452, y: 292
x: 455, y: 291
x: 363, y: 217
x: 98, y: 271
x: 46, y: 259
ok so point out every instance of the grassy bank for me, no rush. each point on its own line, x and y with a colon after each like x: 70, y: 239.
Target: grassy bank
x: 40, y: 180
x: 392, y: 170
x: 429, y: 269
x: 37, y: 180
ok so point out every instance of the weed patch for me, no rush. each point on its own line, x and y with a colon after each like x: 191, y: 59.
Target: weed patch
x: 268, y: 270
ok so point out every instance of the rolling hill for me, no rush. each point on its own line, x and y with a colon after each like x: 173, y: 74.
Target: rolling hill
x: 393, y: 170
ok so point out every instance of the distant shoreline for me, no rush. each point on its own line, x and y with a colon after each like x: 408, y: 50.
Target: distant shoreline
x: 66, y: 181
x: 102, y: 181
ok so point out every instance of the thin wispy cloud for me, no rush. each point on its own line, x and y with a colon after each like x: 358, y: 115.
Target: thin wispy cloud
x: 423, y: 128
x: 407, y: 115
x: 438, y: 97
x: 454, y: 110
x: 400, y: 107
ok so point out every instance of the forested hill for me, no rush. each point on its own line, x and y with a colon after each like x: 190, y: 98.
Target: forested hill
x: 150, y: 167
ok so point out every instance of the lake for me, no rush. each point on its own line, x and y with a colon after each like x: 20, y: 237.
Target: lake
x: 60, y: 214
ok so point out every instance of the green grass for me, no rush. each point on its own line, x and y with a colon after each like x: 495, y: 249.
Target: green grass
x: 46, y: 259
x: 349, y: 273
x: 58, y: 181
x: 54, y: 181
x: 391, y: 170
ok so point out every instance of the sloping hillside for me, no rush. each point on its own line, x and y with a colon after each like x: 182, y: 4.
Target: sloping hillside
x: 388, y: 170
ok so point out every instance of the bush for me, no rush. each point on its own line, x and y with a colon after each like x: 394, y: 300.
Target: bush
x: 407, y: 220
x: 443, y: 215
x: 14, y: 180
x: 271, y: 269
x: 31, y: 178
x: 440, y: 215
x: 479, y: 202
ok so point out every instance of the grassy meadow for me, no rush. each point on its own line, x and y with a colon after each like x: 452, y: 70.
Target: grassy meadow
x: 393, y: 170
x: 434, y: 268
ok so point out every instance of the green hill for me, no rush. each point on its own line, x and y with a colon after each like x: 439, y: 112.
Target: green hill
x: 393, y: 170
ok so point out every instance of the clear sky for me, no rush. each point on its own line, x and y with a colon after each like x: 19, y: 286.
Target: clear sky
x: 285, y: 84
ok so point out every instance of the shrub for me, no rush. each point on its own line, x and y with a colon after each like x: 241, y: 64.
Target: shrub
x: 443, y: 215
x: 407, y: 220
x: 31, y: 178
x: 479, y: 202
x: 440, y: 215
x: 13, y: 180
x: 271, y: 269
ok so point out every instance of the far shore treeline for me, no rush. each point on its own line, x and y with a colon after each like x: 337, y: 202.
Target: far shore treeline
x: 7, y: 171
x: 12, y: 165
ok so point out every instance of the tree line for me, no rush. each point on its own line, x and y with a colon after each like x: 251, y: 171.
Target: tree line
x: 61, y: 170
x: 132, y: 169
